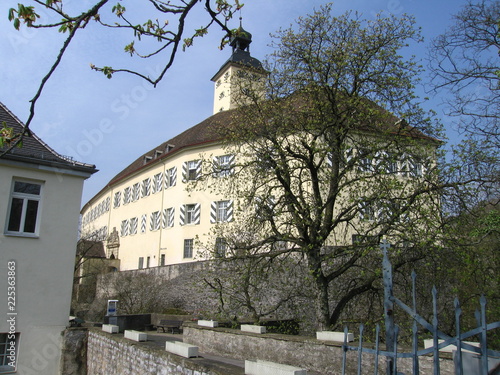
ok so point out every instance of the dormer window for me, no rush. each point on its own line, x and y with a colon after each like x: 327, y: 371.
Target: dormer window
x: 158, y: 153
x: 147, y: 159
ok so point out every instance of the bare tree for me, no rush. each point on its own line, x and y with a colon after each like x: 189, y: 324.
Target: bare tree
x: 464, y: 62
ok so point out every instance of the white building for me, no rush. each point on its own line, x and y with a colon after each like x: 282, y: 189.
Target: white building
x: 147, y: 203
x: 151, y: 204
x: 38, y: 220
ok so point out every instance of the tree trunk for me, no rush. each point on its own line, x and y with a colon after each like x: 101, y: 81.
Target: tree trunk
x: 322, y: 307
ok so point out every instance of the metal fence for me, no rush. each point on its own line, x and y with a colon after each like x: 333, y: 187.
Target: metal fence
x: 440, y: 340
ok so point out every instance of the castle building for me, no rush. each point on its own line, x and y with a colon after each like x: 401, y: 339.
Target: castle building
x: 147, y: 205
x: 149, y: 215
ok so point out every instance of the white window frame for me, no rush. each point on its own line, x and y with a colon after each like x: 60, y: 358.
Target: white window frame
x: 192, y: 170
x: 6, y: 339
x: 190, y: 213
x: 26, y: 198
x: 188, y: 248
x: 222, y: 211
x: 224, y: 165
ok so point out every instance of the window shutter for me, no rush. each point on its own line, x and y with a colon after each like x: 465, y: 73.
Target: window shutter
x: 124, y: 228
x: 171, y: 215
x: 213, y: 212
x: 197, y: 212
x: 184, y: 171
x: 164, y: 222
x: 143, y: 223
x: 215, y: 166
x: 151, y: 221
x: 167, y: 178
x: 198, y: 169
x: 174, y: 176
x: 155, y: 221
x: 230, y: 211
x: 232, y: 163
x: 133, y: 225
x: 182, y: 215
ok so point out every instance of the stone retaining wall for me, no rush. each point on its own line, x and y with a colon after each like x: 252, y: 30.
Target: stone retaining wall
x: 300, y: 351
x: 109, y: 354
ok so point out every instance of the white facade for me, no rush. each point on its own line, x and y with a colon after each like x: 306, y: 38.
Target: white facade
x: 157, y: 217
x: 152, y: 204
x: 38, y: 232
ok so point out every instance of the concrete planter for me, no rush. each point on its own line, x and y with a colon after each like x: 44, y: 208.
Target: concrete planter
x: 135, y: 335
x: 333, y: 336
x: 253, y: 328
x: 208, y: 323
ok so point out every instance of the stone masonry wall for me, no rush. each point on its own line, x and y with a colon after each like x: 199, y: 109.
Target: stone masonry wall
x: 303, y: 352
x: 114, y: 355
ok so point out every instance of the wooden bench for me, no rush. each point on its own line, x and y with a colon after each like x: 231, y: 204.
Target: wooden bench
x: 171, y: 325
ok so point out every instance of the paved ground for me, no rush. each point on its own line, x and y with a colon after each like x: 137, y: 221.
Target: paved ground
x: 233, y: 366
x: 159, y: 339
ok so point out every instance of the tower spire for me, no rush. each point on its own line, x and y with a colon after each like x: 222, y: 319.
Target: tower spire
x: 240, y: 60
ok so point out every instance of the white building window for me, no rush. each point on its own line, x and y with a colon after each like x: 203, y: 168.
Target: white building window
x: 157, y: 182
x: 9, y: 347
x: 155, y: 221
x: 146, y: 187
x: 135, y: 192
x: 221, y: 211
x: 191, y: 170
x: 366, y: 211
x: 169, y: 217
x: 134, y: 223
x: 220, y: 247
x: 126, y: 195
x: 171, y: 177
x: 117, y: 199
x: 188, y: 248
x: 223, y: 165
x: 124, y: 228
x: 190, y: 214
x: 25, y: 204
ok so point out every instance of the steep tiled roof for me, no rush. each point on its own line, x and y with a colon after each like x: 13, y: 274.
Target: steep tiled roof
x: 34, y: 150
x: 209, y: 130
x: 204, y: 132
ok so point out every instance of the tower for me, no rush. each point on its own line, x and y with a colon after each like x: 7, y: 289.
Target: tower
x: 228, y: 83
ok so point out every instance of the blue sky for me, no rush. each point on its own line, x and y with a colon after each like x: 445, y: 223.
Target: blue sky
x: 110, y: 123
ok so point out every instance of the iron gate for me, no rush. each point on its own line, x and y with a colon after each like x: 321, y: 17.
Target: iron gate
x: 440, y: 339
